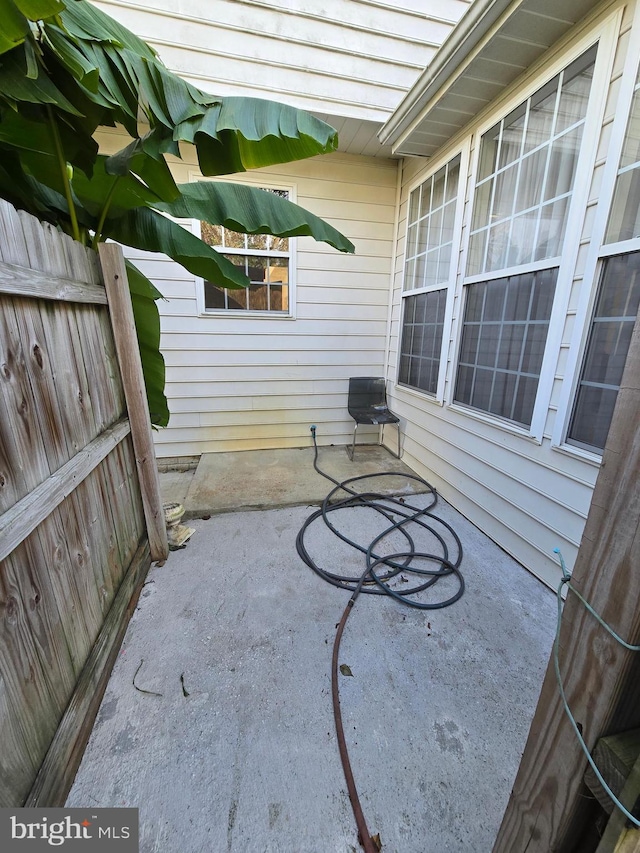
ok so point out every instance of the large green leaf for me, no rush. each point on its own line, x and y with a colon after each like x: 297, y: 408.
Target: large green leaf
x: 251, y: 211
x: 37, y: 10
x: 152, y: 170
x: 122, y: 193
x: 85, y: 22
x: 152, y: 232
x: 15, y: 16
x: 17, y: 86
x: 77, y: 64
x: 25, y: 134
x: 147, y: 320
x: 248, y: 133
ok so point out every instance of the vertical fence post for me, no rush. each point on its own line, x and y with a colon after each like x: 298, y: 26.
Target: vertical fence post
x: 549, y: 803
x: 126, y: 341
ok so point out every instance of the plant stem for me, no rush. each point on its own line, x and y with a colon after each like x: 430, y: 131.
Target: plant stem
x: 103, y: 214
x: 62, y: 162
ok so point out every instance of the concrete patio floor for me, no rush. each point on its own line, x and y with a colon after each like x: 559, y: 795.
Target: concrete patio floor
x: 233, y: 749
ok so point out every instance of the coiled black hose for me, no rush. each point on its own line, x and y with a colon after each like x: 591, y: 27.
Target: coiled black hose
x: 378, y: 575
x: 381, y: 570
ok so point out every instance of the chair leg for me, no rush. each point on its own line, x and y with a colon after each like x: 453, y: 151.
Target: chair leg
x: 382, y: 439
x: 353, y: 444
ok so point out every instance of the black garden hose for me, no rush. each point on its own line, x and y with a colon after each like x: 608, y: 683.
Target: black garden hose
x: 377, y: 577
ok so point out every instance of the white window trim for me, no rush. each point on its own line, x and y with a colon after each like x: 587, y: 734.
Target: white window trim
x: 605, y: 35
x: 451, y: 284
x: 217, y: 314
x: 597, y: 251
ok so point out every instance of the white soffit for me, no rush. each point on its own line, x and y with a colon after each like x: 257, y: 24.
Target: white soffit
x: 492, y: 45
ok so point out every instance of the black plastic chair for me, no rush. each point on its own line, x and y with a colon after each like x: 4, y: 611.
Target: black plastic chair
x: 368, y: 405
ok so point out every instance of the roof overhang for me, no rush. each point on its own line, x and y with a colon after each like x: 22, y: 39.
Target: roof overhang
x: 491, y: 46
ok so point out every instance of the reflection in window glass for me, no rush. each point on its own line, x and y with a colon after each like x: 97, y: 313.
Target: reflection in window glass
x: 606, y: 354
x: 422, y: 340
x: 264, y: 259
x: 526, y: 174
x: 504, y: 334
x: 432, y: 208
x: 624, y: 219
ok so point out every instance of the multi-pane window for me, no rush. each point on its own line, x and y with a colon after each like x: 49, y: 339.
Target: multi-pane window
x: 422, y: 340
x: 264, y: 259
x: 503, y: 339
x: 428, y: 266
x: 624, y: 219
x: 614, y: 317
x: 526, y: 173
x: 432, y: 208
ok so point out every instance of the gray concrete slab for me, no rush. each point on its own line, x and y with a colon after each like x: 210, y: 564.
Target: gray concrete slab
x: 436, y: 712
x: 174, y: 485
x: 260, y: 479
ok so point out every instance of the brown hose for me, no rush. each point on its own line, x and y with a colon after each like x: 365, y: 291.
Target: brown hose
x: 363, y: 833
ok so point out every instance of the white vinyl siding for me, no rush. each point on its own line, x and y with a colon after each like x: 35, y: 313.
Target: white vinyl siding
x: 355, y: 58
x: 245, y: 383
x: 515, y: 483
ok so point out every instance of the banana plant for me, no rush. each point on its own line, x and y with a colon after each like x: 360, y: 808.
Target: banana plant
x: 66, y: 70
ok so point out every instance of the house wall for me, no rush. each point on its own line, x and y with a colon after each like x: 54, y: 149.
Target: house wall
x: 529, y: 491
x: 244, y: 383
x: 352, y: 58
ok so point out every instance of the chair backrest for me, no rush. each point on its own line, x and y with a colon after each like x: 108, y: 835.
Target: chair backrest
x: 366, y: 392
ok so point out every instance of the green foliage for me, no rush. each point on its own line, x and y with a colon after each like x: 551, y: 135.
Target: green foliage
x: 66, y: 70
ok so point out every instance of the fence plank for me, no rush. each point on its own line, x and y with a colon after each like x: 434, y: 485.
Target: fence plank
x: 71, y: 511
x: 107, y: 404
x: 546, y: 808
x: 43, y: 387
x: 21, y: 429
x: 21, y: 281
x: 72, y: 384
x: 59, y: 542
x: 127, y: 517
x: 61, y: 763
x: 115, y: 278
x: 13, y: 246
x: 19, y: 521
x: 30, y: 702
x: 17, y: 768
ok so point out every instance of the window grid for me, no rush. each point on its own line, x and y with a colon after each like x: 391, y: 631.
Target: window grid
x: 263, y: 258
x: 624, y: 218
x: 606, y: 353
x: 421, y: 343
x: 504, y: 333
x: 431, y: 217
x: 505, y: 230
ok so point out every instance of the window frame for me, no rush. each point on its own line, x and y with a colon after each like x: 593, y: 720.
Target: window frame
x: 597, y: 250
x: 239, y: 314
x: 593, y: 324
x: 604, y: 36
x: 449, y: 286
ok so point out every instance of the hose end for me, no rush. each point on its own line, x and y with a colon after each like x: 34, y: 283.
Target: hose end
x: 313, y: 428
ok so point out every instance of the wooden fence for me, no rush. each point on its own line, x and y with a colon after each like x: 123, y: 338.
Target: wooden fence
x: 80, y: 511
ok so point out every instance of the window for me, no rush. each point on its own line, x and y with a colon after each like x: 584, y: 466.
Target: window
x: 606, y: 354
x: 616, y: 304
x: 422, y: 340
x: 504, y: 334
x: 264, y: 259
x: 624, y: 220
x: 432, y: 208
x: 526, y: 172
x: 428, y: 265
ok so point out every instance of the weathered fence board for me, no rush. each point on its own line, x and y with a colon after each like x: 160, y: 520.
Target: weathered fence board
x: 77, y: 529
